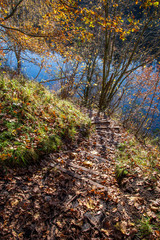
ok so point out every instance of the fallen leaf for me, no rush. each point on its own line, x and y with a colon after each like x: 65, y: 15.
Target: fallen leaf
x: 88, y: 163
x: 36, y: 216
x: 59, y: 224
x: 122, y: 226
x: 14, y: 202
x: 107, y: 232
x: 114, y: 210
x: 94, y: 152
x: 90, y: 204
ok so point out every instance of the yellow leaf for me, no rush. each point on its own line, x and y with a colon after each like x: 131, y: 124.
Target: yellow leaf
x: 59, y: 224
x: 14, y: 202
x: 107, y: 232
x: 90, y: 204
x: 122, y: 226
x: 87, y: 163
x: 15, y: 99
x: 129, y: 20
x: 156, y: 4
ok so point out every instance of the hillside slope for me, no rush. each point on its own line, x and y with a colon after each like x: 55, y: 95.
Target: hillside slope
x: 33, y: 121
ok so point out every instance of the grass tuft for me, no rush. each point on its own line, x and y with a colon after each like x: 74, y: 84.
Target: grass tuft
x: 145, y: 227
x: 120, y: 173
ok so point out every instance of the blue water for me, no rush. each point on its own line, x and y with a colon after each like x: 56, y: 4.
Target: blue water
x: 31, y: 66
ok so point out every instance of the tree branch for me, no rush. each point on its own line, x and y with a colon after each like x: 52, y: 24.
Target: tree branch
x: 27, y: 34
x: 13, y: 11
x: 52, y: 80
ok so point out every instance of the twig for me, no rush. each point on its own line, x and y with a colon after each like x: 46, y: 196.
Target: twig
x: 72, y: 199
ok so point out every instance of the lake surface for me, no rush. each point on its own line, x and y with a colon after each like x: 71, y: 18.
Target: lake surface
x: 31, y: 65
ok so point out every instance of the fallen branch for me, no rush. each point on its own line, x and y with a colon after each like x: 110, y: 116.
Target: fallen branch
x: 83, y: 168
x: 75, y: 175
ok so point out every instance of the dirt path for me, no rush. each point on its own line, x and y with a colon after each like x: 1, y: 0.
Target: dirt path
x: 74, y: 194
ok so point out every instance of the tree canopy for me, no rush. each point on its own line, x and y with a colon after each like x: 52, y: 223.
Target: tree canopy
x: 124, y: 35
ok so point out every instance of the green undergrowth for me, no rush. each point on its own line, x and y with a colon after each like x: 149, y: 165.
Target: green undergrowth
x: 134, y: 158
x: 138, y: 158
x: 148, y: 227
x: 34, y: 122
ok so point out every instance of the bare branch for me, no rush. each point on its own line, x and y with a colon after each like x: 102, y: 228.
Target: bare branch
x: 52, y: 80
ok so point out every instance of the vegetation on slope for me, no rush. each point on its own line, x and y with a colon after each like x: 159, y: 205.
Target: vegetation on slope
x: 138, y: 174
x: 137, y: 158
x: 33, y: 121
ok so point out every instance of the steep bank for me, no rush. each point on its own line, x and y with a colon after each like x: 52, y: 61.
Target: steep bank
x: 34, y: 122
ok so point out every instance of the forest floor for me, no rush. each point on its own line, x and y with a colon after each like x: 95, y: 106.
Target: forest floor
x: 78, y: 194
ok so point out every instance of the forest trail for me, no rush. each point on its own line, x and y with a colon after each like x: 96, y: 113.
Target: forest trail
x: 74, y: 194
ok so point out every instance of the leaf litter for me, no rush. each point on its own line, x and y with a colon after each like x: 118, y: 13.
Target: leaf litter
x: 74, y: 194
